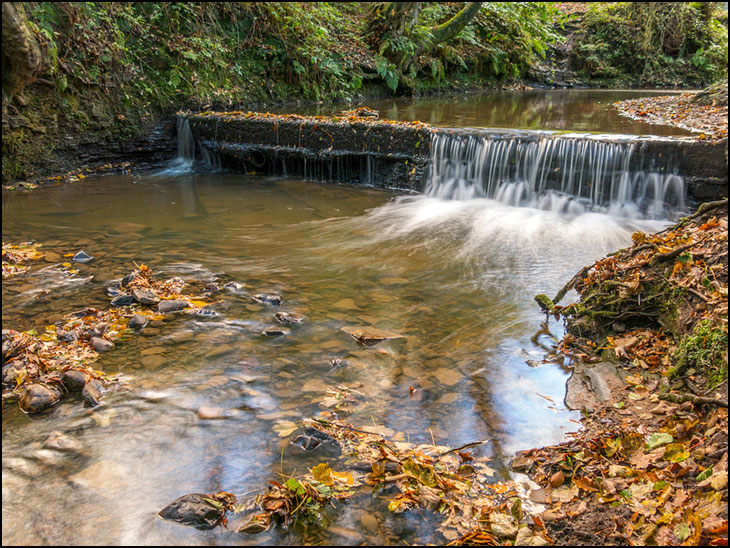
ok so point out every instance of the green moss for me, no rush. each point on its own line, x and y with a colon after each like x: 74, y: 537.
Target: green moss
x: 704, y: 350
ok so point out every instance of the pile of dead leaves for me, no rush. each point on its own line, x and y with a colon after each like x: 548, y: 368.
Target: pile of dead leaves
x: 651, y: 465
x: 627, y: 485
x: 16, y: 257
x: 350, y: 117
x: 709, y: 120
x: 451, y: 482
x: 40, y: 365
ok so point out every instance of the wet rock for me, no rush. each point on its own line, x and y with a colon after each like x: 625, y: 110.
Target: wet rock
x: 267, y: 298
x: 212, y: 288
x: 206, y: 312
x: 589, y: 386
x: 114, y: 291
x: 37, y: 397
x: 122, y: 300
x: 557, y: 479
x: 82, y: 257
x: 138, y: 321
x: 51, y: 257
x: 287, y: 318
x: 311, y: 439
x: 75, y: 379
x: 171, y: 306
x: 275, y: 331
x: 234, y: 287
x: 199, y: 511
x: 94, y: 391
x: 129, y: 277
x: 101, y: 345
x: 145, y: 296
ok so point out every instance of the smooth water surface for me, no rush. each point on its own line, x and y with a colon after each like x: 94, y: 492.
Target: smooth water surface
x: 578, y: 110
x: 456, y: 278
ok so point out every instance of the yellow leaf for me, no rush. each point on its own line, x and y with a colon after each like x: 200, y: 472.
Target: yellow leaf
x: 323, y: 473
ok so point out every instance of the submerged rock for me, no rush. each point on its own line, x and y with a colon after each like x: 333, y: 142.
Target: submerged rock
x: 94, y: 391
x: 267, y: 298
x: 199, y: 511
x: 369, y: 336
x: 311, y: 439
x: 206, y: 312
x: 171, y: 306
x: 37, y: 397
x: 288, y: 318
x: 235, y: 287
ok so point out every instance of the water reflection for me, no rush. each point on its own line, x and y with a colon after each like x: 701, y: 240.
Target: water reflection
x: 560, y: 110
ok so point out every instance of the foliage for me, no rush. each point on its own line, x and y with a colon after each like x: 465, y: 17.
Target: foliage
x: 500, y: 42
x: 658, y: 43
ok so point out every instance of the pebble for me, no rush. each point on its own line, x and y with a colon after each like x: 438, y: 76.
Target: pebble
x: 210, y: 412
x: 370, y: 523
x: 138, y: 321
x: 267, y: 298
x: 101, y: 345
x: 171, y: 306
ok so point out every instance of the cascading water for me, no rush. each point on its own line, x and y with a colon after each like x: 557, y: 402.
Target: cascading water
x: 183, y: 163
x: 563, y: 174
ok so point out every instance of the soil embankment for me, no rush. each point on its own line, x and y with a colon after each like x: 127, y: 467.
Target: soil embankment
x: 649, y: 339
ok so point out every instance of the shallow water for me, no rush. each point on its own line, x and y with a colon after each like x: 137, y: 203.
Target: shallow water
x: 456, y: 278
x: 589, y: 110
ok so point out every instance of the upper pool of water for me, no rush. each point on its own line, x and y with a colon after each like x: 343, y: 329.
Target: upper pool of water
x: 581, y: 110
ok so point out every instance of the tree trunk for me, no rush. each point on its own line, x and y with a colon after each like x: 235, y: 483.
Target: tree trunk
x: 23, y: 59
x: 453, y: 26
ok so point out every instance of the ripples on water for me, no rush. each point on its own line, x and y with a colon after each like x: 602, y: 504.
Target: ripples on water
x: 456, y: 277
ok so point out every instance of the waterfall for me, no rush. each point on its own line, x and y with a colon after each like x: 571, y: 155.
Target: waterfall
x: 565, y: 174
x: 185, y: 141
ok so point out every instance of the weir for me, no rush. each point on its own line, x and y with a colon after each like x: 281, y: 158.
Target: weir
x: 631, y: 176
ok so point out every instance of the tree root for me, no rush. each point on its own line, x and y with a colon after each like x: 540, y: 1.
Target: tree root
x: 684, y: 397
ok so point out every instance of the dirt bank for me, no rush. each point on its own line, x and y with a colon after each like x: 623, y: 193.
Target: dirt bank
x: 649, y: 340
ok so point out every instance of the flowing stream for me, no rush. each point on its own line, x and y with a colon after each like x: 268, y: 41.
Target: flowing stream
x: 206, y: 398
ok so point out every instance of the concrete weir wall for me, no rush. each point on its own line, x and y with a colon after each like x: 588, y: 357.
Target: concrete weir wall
x: 348, y: 150
x: 397, y: 154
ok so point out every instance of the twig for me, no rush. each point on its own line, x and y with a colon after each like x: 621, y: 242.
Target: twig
x: 465, y: 446
x: 675, y: 252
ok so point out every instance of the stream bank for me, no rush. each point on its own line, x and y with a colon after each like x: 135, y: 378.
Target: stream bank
x: 649, y: 340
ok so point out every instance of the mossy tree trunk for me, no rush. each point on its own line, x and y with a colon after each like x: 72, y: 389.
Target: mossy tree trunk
x: 23, y: 58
